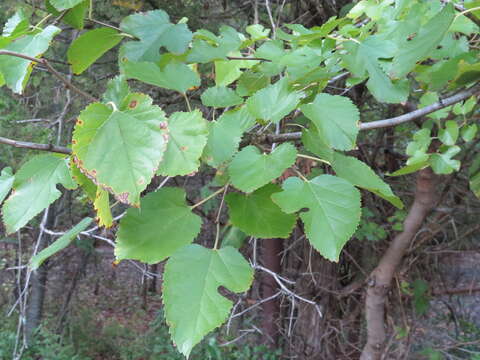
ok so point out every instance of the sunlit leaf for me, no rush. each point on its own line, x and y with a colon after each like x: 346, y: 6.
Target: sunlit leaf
x: 34, y: 188
x: 90, y: 46
x: 121, y: 149
x: 187, y: 138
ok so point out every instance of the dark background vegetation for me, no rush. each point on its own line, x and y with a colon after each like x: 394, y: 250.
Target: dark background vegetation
x: 91, y: 309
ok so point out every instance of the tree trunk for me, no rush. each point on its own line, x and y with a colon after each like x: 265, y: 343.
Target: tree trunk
x: 38, y: 282
x: 318, y: 281
x: 272, y: 249
x: 381, y: 277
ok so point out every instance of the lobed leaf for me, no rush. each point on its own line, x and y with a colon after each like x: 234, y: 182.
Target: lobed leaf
x: 154, y: 31
x: 333, y: 210
x: 193, y: 306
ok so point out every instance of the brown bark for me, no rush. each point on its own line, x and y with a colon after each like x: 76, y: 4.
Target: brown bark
x: 271, y: 309
x: 381, y: 277
x: 312, y: 336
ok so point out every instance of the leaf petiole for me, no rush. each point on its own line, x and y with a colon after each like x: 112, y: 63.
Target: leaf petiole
x: 203, y: 201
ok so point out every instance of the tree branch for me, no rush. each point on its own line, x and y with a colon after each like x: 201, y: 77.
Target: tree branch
x: 381, y: 278
x: 59, y: 76
x: 35, y: 146
x: 460, y: 96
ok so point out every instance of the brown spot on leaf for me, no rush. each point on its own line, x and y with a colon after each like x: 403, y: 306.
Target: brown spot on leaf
x: 133, y: 104
x: 163, y: 125
x: 183, y: 148
x: 80, y: 122
x: 74, y: 142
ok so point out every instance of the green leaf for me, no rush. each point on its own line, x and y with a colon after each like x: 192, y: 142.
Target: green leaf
x: 85, y: 183
x: 34, y: 188
x: 257, y: 215
x: 316, y: 144
x: 102, y: 207
x: 365, y: 57
x: 6, y: 182
x: 59, y: 244
x: 154, y: 30
x: 250, y: 170
x: 117, y: 90
x: 361, y: 175
x: 467, y: 73
x: 333, y: 210
x: 220, y: 97
x: 15, y: 70
x: 227, y: 71
x: 163, y: 224
x: 274, y: 102
x: 428, y: 99
x: 61, y: 5
x: 16, y: 25
x: 193, y: 306
x: 449, y: 135
x: 411, y: 168
x: 207, y: 47
x: 442, y: 163
x: 187, y: 137
x: 174, y: 76
x: 336, y: 119
x: 225, y: 135
x: 421, y: 46
x: 474, y: 176
x: 90, y: 46
x: 74, y: 16
x: 469, y: 132
x: 250, y: 82
x: 233, y: 237
x: 121, y: 149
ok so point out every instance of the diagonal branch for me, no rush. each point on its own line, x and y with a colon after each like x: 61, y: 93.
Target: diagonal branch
x: 35, y: 146
x: 451, y: 100
x: 380, y: 279
x: 50, y: 68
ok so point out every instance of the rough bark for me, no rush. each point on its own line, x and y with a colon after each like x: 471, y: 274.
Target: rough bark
x: 271, y: 309
x: 381, y: 277
x: 319, y: 281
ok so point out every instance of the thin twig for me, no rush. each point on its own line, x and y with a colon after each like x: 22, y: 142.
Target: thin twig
x: 59, y: 76
x: 460, y: 96
x: 35, y: 146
